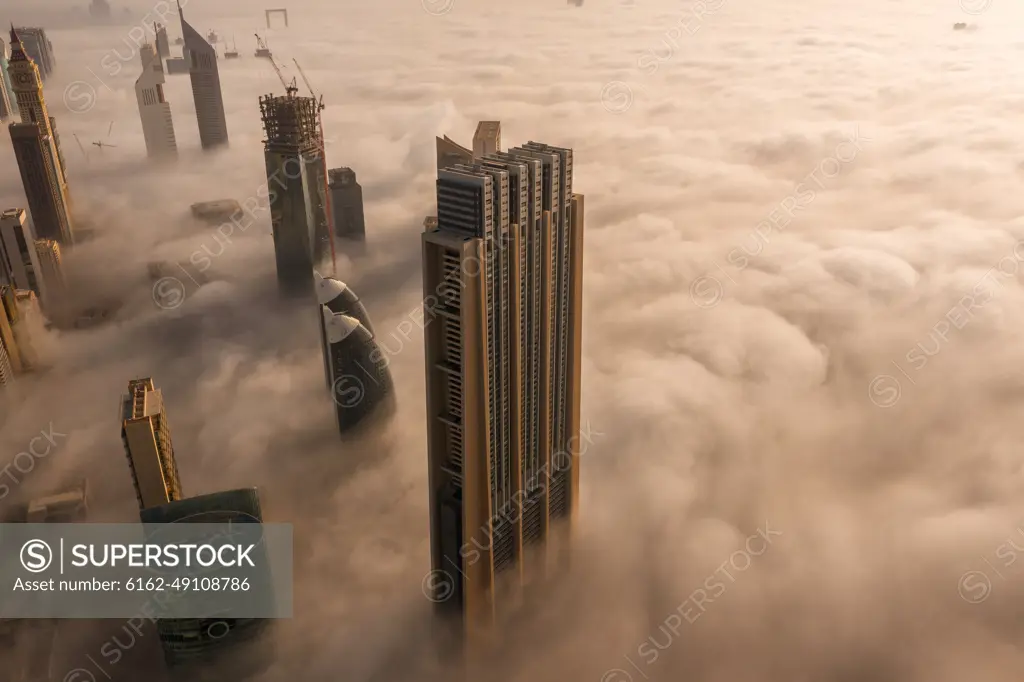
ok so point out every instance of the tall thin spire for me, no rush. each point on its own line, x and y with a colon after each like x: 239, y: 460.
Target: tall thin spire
x: 14, y: 35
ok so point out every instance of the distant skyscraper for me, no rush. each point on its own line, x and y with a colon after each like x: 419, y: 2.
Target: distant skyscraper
x: 18, y: 256
x: 487, y: 139
x: 502, y: 280
x: 147, y: 442
x: 51, y: 271
x: 154, y: 109
x: 10, y: 355
x: 361, y: 383
x: 7, y: 104
x: 38, y: 48
x: 339, y: 299
x: 347, y: 205
x: 163, y: 45
x: 37, y: 149
x: 450, y: 152
x: 209, y: 100
x: 295, y: 176
x: 197, y: 641
x: 5, y: 53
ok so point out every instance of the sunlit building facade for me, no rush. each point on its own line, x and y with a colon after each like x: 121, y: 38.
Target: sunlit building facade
x: 146, y: 436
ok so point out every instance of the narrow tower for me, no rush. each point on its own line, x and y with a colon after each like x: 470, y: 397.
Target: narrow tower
x: 295, y: 174
x: 147, y: 443
x: 206, y: 92
x: 347, y: 205
x: 502, y: 300
x: 37, y: 149
x: 154, y: 109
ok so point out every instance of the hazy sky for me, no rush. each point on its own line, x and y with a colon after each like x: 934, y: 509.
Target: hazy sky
x: 801, y: 290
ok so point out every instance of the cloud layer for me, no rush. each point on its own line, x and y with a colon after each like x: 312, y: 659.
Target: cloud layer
x: 782, y: 327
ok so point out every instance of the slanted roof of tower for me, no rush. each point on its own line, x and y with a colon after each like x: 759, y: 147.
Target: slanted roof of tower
x: 338, y: 325
x: 327, y: 288
x: 17, y: 53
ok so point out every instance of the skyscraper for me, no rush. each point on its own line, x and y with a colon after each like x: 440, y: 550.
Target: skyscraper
x: 147, y: 443
x: 163, y: 46
x: 6, y: 92
x: 295, y: 177
x: 51, y: 272
x: 10, y: 355
x: 5, y: 76
x: 19, y: 260
x: 487, y: 139
x: 154, y: 109
x: 340, y: 299
x: 361, y: 383
x: 209, y: 100
x: 37, y: 149
x: 194, y: 641
x: 450, y: 152
x: 347, y: 205
x: 502, y: 280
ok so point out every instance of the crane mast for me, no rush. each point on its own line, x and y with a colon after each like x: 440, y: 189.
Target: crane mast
x: 323, y: 160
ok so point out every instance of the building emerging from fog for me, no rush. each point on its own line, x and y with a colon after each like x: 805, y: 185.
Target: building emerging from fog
x: 37, y: 149
x: 154, y: 109
x: 341, y: 300
x: 361, y: 383
x: 19, y: 260
x: 347, y: 205
x: 5, y: 77
x: 196, y: 641
x: 147, y: 443
x: 209, y: 100
x: 163, y: 46
x: 502, y: 282
x: 295, y: 176
x: 10, y: 354
x: 7, y: 104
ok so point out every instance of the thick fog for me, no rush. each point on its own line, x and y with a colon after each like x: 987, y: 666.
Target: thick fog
x: 803, y: 328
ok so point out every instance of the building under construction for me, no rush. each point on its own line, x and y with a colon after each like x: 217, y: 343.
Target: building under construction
x: 297, y: 186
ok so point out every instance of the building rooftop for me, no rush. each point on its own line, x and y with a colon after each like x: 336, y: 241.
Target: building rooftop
x: 217, y: 211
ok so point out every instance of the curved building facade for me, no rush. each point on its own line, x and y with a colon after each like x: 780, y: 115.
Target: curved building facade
x: 189, y: 642
x: 361, y: 384
x: 338, y: 298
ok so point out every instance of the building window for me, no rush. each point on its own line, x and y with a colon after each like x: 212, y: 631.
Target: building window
x: 160, y: 94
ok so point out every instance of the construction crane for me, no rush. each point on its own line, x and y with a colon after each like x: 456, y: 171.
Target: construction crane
x: 290, y: 89
x: 81, y: 146
x: 101, y: 144
x: 323, y: 160
x: 262, y: 50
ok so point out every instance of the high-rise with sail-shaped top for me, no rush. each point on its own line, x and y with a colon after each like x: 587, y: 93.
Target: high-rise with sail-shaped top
x: 206, y: 92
